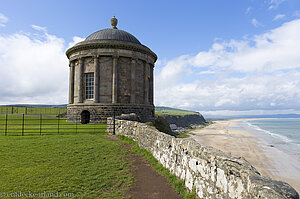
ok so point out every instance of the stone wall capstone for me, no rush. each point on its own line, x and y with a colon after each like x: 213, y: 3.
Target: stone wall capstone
x: 210, y: 172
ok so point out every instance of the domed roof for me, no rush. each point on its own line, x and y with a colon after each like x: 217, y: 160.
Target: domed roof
x: 113, y: 34
x: 111, y: 38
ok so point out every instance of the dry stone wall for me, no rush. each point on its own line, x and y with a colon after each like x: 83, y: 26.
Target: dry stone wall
x: 208, y: 171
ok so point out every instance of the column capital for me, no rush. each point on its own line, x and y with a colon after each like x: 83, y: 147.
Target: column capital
x: 96, y: 58
x: 134, y: 60
x: 115, y: 56
x: 80, y: 59
x: 71, y: 63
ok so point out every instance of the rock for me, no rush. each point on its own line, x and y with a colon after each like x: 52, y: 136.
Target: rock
x: 185, y: 120
x: 209, y: 172
x: 131, y: 117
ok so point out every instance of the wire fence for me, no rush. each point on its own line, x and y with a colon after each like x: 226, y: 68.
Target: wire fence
x: 22, y: 124
x: 32, y: 110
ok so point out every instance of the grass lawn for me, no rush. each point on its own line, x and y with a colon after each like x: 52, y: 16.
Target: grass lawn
x: 83, y: 165
x: 44, y: 125
x: 172, y: 111
x: 32, y: 110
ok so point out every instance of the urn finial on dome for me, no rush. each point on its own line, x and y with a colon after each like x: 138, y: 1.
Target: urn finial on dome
x: 114, y: 22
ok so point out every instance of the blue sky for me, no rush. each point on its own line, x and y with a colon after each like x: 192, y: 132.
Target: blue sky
x: 216, y: 57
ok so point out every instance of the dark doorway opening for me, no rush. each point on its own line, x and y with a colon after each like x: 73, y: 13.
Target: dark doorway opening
x: 85, y: 117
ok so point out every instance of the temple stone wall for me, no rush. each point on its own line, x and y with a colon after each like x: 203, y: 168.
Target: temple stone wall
x: 124, y: 69
x: 100, y: 112
x: 208, y: 171
x: 123, y: 78
x: 139, y: 97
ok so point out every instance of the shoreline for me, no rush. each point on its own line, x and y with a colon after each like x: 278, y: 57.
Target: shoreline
x: 230, y: 136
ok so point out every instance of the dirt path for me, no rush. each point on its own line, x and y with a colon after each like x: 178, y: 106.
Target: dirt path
x: 149, y: 184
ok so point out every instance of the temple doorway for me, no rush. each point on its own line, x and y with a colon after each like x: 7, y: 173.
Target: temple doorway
x: 85, y: 117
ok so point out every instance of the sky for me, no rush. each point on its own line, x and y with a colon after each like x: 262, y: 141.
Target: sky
x: 217, y: 57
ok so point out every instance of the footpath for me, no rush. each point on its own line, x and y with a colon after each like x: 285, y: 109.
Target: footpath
x: 149, y: 184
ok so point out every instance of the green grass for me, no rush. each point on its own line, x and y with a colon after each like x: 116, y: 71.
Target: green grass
x: 32, y: 110
x: 47, y: 125
x: 160, y: 111
x: 175, y: 182
x: 86, y: 165
x: 81, y: 165
x: 182, y: 135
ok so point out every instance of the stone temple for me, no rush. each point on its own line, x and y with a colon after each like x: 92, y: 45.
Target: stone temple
x: 110, y: 72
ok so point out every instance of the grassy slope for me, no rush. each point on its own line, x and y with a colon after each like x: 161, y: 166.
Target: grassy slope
x: 175, y: 182
x: 49, y: 125
x: 83, y: 166
x: 32, y: 110
x: 86, y: 165
x: 172, y: 111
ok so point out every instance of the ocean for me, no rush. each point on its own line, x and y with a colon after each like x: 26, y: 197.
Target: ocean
x: 283, y: 134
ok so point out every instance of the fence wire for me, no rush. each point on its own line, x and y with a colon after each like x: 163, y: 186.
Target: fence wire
x: 32, y: 110
x: 22, y: 124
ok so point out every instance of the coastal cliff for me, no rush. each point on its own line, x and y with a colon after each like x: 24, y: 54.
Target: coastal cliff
x: 179, y: 117
x: 185, y: 120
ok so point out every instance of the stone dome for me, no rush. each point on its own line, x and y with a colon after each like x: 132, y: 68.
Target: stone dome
x: 113, y: 34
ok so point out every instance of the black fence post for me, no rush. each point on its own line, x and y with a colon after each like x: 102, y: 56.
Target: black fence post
x: 12, y: 110
x: 26, y: 110
x: 57, y: 124
x: 94, y: 125
x: 40, y: 124
x: 76, y: 123
x: 23, y: 126
x: 114, y: 123
x: 5, y: 124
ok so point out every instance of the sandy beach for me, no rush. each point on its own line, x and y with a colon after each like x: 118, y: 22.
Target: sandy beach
x: 230, y: 137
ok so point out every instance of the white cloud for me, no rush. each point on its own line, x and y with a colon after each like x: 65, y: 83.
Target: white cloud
x: 34, y: 69
x: 279, y: 16
x: 297, y: 13
x: 248, y: 112
x: 173, y: 71
x: 3, y: 20
x: 75, y: 41
x: 39, y: 28
x: 273, y: 4
x: 262, y: 72
x: 255, y: 23
x: 248, y: 10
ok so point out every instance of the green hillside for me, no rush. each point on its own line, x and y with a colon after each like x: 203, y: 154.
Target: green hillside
x: 161, y: 110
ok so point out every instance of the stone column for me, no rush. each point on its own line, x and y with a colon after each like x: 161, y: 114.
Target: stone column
x: 80, y: 89
x: 71, y: 83
x: 115, y: 80
x: 132, y: 83
x: 151, y: 84
x: 96, y: 80
x: 146, y: 83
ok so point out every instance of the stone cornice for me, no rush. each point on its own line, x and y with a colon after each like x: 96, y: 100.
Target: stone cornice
x: 85, y: 45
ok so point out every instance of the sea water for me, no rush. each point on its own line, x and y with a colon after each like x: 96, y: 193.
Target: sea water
x: 283, y: 134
